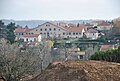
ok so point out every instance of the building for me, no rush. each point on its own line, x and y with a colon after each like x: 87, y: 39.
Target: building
x: 106, y: 47
x: 92, y: 34
x: 19, y: 32
x: 104, y: 26
x: 32, y: 38
x: 76, y: 54
x: 81, y: 55
x: 53, y: 30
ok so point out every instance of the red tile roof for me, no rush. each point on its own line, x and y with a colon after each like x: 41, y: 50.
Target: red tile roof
x: 104, y: 24
x: 75, y: 29
x: 92, y: 31
x: 56, y: 25
x: 31, y: 35
x: 72, y: 25
x: 63, y: 23
x: 22, y: 30
x: 88, y: 24
x: 71, y: 29
x: 106, y: 47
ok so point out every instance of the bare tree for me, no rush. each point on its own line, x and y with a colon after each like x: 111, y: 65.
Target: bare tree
x: 64, y: 52
x: 16, y: 65
x: 43, y: 52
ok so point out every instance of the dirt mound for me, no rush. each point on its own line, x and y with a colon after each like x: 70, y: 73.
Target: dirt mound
x: 80, y: 71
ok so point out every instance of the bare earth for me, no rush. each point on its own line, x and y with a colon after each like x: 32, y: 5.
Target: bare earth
x: 80, y: 71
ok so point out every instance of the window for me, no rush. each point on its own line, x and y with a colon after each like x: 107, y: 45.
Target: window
x: 34, y: 39
x: 36, y: 30
x: 32, y: 33
x: 69, y: 33
x: 81, y: 56
x: 27, y: 39
x: 59, y: 29
x: 30, y: 40
x: 54, y: 29
x: 63, y: 33
x: 50, y: 29
x: 73, y: 33
x: 93, y: 34
x: 22, y: 33
x: 41, y: 33
x: 76, y: 33
x: 79, y: 33
x: 47, y: 25
x: 45, y: 29
x: 47, y: 32
x: 40, y: 29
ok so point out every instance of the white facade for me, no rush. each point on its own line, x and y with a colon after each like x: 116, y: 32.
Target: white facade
x: 92, y: 35
x: 51, y: 30
x: 104, y: 27
x: 32, y: 38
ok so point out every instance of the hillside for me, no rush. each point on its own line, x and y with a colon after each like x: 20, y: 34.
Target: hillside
x: 80, y: 71
x: 35, y: 23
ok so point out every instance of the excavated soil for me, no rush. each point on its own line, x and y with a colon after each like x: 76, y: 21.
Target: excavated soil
x: 80, y: 71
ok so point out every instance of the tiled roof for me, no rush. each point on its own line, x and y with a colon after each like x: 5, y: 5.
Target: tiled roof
x: 56, y: 25
x: 71, y: 29
x: 88, y: 24
x: 106, y: 47
x: 81, y: 53
x: 75, y: 29
x: 62, y: 23
x: 72, y: 25
x: 31, y: 35
x: 104, y: 24
x: 92, y: 31
x: 22, y: 30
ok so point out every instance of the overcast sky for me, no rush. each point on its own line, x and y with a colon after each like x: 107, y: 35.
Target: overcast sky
x: 59, y: 9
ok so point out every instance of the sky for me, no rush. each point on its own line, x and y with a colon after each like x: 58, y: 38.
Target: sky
x: 59, y: 9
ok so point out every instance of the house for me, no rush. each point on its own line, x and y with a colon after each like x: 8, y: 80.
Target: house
x: 19, y: 32
x: 106, y: 47
x: 92, y: 34
x: 88, y: 25
x: 81, y: 55
x: 104, y: 26
x: 53, y: 30
x: 75, y: 32
x: 32, y: 38
x: 75, y: 54
x: 63, y: 24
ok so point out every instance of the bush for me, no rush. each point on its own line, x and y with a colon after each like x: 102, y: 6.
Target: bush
x: 109, y: 55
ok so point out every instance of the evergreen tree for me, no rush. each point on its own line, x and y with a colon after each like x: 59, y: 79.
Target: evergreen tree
x: 3, y: 30
x: 26, y: 26
x: 78, y: 25
x: 10, y: 34
x: 109, y: 55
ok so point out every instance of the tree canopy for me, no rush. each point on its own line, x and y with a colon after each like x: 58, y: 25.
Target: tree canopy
x: 109, y: 55
x: 7, y: 31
